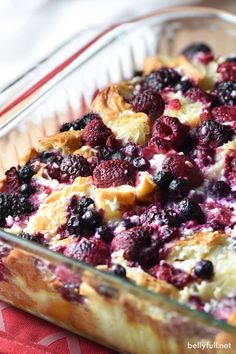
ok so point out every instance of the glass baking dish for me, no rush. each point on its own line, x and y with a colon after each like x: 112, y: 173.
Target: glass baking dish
x: 112, y: 311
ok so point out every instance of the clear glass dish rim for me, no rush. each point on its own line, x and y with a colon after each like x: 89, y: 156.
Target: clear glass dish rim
x: 46, y: 84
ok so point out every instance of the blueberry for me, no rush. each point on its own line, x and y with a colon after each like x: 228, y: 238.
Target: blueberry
x: 119, y: 270
x: 26, y: 189
x: 140, y: 163
x: 220, y: 189
x: 179, y: 188
x: 92, y: 218
x: 190, y: 210
x: 85, y: 204
x: 204, y: 269
x: 75, y: 224
x: 163, y: 179
x: 170, y: 218
x: 26, y: 172
x: 195, y: 48
x: 117, y: 156
x: 80, y: 123
x: 105, y: 233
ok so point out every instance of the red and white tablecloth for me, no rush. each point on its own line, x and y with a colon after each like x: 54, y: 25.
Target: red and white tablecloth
x: 25, y: 334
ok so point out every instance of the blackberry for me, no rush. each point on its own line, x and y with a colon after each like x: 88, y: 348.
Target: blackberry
x: 190, y: 210
x: 26, y: 172
x: 105, y: 233
x: 12, y: 180
x: 226, y: 92
x: 27, y: 189
x: 213, y: 134
x: 204, y: 269
x: 14, y: 205
x: 118, y: 270
x: 160, y: 79
x: 149, y: 102
x: 220, y: 189
x: 179, y: 188
x: 196, y: 48
x: 141, y: 164
x: 80, y: 123
x: 73, y: 166
x: 163, y: 179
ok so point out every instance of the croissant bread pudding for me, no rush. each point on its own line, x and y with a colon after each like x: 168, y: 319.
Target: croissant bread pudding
x: 144, y: 185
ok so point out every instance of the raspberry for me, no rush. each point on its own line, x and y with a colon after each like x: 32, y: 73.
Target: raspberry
x: 96, y: 133
x: 113, y: 173
x: 174, y: 276
x: 183, y: 167
x: 203, y: 155
x: 195, y: 94
x: 171, y: 130
x: 73, y: 166
x: 225, y: 92
x: 224, y: 114
x: 149, y: 102
x: 131, y: 241
x: 159, y: 145
x: 160, y: 79
x: 80, y: 123
x: 213, y: 134
x: 195, y: 49
x: 227, y: 70
x: 12, y: 182
x: 92, y: 251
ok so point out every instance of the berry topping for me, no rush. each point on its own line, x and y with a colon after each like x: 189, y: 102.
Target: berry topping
x: 163, y: 179
x: 149, y: 102
x: 71, y: 166
x: 226, y: 92
x: 204, y: 269
x: 174, y: 276
x: 141, y: 164
x: 12, y: 180
x: 227, y: 70
x: 105, y: 233
x: 171, y: 130
x: 213, y: 134
x: 190, y: 210
x: 160, y: 79
x: 92, y: 251
x: 158, y: 145
x: 179, y: 188
x: 224, y: 114
x: 131, y: 241
x: 195, y: 49
x: 113, y: 173
x: 197, y: 95
x: 220, y: 189
x: 230, y: 169
x: 96, y: 133
x: 183, y: 167
x: 80, y: 123
x: 25, y: 173
x: 14, y: 205
x: 118, y: 270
